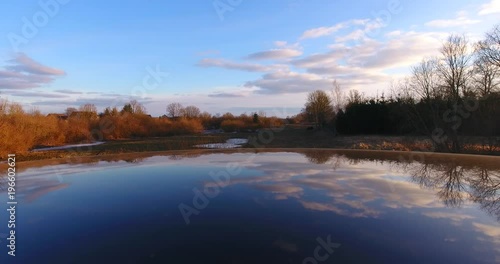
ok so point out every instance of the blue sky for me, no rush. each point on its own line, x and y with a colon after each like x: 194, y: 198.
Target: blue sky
x: 223, y: 55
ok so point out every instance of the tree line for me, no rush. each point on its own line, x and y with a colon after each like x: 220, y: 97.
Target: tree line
x: 446, y: 98
x: 22, y: 130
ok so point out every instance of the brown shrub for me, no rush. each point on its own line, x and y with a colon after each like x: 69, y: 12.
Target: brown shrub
x: 186, y: 126
x: 232, y: 125
x: 20, y: 132
x: 77, y: 131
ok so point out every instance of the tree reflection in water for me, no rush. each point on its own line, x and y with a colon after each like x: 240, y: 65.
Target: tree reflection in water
x: 318, y: 156
x: 456, y: 183
x: 456, y: 179
x: 485, y: 191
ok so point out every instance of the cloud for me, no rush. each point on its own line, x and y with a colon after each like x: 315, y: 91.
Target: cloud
x: 275, y: 54
x: 371, y: 57
x: 280, y: 44
x: 101, y: 102
x: 354, y: 35
x: 23, y: 63
x: 22, y: 72
x: 326, y: 31
x: 208, y: 53
x: 35, y: 94
x: 361, y: 211
x: 226, y: 95
x: 68, y: 91
x: 321, y: 58
x: 321, y: 31
x: 489, y: 230
x: 364, y: 64
x: 491, y: 234
x: 289, y: 82
x: 460, y: 20
x: 399, y: 51
x: 492, y: 7
x: 357, y: 66
x: 222, y: 63
x: 455, y: 218
x: 367, y: 30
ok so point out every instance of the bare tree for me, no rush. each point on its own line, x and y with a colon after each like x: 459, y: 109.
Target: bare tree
x: 402, y: 89
x: 354, y: 97
x: 425, y: 80
x: 70, y: 110
x: 425, y: 85
x: 174, y: 110
x: 485, y: 75
x: 90, y: 108
x: 489, y: 48
x: 319, y: 107
x: 16, y: 109
x: 137, y: 108
x: 3, y: 106
x: 88, y: 111
x: 191, y: 112
x: 338, y: 97
x: 453, y: 67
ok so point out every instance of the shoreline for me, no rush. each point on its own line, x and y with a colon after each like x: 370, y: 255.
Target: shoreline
x: 290, y: 139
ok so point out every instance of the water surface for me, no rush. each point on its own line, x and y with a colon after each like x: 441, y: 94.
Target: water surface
x: 229, y: 144
x: 308, y: 206
x: 68, y: 146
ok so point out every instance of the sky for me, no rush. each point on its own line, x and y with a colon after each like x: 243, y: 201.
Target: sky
x: 222, y: 56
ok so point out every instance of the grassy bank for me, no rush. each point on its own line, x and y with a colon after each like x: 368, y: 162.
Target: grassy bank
x: 127, y: 146
x: 290, y: 137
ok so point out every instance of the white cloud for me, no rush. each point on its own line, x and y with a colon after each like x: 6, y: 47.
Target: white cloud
x: 23, y: 63
x: 399, y: 51
x: 354, y: 35
x: 275, y: 54
x: 280, y: 44
x: 24, y: 72
x: 491, y: 233
x: 321, y: 31
x: 492, y: 7
x: 290, y: 82
x: 325, y: 31
x: 36, y: 94
x: 222, y: 63
x: 365, y: 30
x: 67, y: 91
x: 363, y: 66
x: 460, y: 20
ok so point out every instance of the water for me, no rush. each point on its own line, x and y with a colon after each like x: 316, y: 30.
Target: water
x: 267, y: 207
x: 68, y: 146
x: 230, y: 143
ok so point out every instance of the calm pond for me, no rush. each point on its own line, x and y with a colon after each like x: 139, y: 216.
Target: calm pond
x: 237, y: 206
